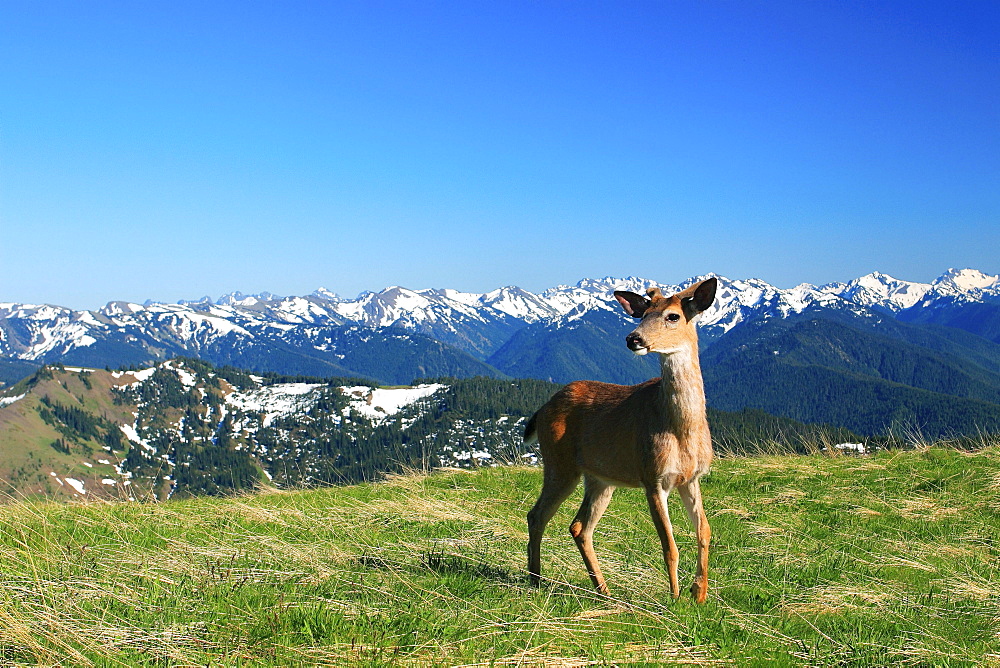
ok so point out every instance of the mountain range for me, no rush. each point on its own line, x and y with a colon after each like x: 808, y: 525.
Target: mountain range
x: 873, y: 354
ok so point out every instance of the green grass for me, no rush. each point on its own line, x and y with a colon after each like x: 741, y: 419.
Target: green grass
x: 890, y: 559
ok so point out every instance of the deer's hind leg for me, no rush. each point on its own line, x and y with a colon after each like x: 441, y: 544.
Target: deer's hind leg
x: 558, y: 483
x: 596, y: 496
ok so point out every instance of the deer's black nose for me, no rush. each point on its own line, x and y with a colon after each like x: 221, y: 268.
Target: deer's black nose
x: 634, y: 341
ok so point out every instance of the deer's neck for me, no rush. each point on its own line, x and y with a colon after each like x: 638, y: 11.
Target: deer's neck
x: 682, y: 391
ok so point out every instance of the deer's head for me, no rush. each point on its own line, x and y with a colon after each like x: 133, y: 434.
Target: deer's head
x: 667, y: 323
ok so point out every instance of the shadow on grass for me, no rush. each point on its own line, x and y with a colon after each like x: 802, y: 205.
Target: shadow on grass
x: 379, y: 563
x: 450, y: 563
x: 444, y: 562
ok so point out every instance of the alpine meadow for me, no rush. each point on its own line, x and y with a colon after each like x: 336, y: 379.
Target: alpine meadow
x: 818, y: 559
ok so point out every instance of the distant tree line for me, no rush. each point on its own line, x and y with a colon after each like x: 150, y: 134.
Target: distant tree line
x: 80, y: 426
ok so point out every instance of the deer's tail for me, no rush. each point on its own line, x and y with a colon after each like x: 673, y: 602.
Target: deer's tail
x: 530, y: 431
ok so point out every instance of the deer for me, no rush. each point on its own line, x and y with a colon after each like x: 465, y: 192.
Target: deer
x: 653, y: 435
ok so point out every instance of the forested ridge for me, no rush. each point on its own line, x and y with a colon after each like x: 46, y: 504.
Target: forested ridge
x: 190, y: 437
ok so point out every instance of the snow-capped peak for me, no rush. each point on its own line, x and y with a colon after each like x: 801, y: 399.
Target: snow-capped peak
x: 518, y: 303
x: 881, y: 291
x: 737, y: 301
x: 240, y: 299
x: 183, y: 302
x: 966, y: 280
x: 323, y: 293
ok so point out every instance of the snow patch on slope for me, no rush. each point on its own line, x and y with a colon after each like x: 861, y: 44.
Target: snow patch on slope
x: 7, y: 401
x: 376, y: 404
x: 274, y: 401
x: 137, y: 376
x: 76, y: 485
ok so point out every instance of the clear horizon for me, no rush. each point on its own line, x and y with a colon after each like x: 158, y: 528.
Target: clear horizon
x: 169, y: 151
x: 306, y: 293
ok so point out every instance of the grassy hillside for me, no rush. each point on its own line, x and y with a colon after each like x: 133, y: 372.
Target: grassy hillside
x: 32, y: 448
x: 888, y: 559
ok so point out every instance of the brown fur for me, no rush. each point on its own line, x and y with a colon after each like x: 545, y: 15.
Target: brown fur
x: 653, y: 435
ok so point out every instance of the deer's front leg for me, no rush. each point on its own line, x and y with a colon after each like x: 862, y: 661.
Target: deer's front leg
x: 656, y: 496
x: 691, y: 495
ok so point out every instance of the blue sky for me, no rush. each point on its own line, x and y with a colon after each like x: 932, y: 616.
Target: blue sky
x: 170, y: 150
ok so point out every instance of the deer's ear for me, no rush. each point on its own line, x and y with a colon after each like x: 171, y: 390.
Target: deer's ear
x: 700, y: 296
x: 635, y: 305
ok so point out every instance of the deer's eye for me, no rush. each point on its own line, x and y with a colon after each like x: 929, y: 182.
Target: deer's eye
x: 673, y: 317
